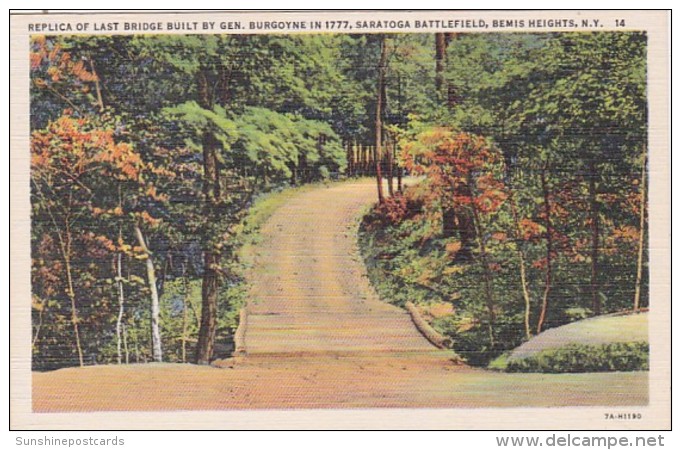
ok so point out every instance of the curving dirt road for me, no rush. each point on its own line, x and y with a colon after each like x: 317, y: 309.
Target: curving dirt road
x: 317, y: 337
x: 310, y: 294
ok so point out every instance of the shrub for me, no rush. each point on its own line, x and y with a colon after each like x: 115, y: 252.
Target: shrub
x: 574, y: 358
x: 394, y: 210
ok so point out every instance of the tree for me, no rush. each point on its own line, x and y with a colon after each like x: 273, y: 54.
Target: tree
x: 464, y: 171
x: 68, y: 160
x: 641, y: 233
x: 378, y: 123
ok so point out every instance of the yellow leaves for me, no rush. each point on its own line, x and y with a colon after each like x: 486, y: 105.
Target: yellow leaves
x: 459, y: 165
x: 148, y: 219
x: 165, y: 173
x: 54, y: 74
x: 466, y: 324
x: 435, y: 136
x: 627, y: 233
x: 452, y: 248
x: 440, y: 309
x: 38, y: 160
x: 426, y: 277
x: 122, y: 162
x: 579, y: 258
x: 37, y: 304
x: 141, y: 256
x: 453, y: 270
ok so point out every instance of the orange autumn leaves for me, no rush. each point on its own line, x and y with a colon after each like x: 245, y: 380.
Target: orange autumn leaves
x: 77, y: 154
x: 60, y: 64
x: 462, y: 166
x: 75, y: 145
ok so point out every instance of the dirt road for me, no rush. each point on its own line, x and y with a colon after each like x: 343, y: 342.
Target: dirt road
x: 310, y: 294
x: 317, y: 337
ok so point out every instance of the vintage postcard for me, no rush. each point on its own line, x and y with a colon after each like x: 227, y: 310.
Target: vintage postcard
x: 340, y: 220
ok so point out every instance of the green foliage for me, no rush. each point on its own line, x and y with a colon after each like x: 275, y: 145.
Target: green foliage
x: 199, y: 120
x: 171, y: 98
x: 283, y: 146
x: 408, y: 259
x: 564, y: 121
x: 575, y: 358
x: 567, y: 112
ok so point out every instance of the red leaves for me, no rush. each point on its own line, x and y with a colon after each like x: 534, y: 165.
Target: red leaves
x: 393, y: 210
x: 530, y: 229
x: 461, y: 166
x: 401, y: 207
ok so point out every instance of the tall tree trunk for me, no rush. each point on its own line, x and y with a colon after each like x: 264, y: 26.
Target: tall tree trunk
x: 98, y: 87
x: 440, y: 60
x: 359, y: 166
x: 487, y: 275
x: 595, y: 237
x: 389, y: 164
x: 378, y: 124
x: 185, y: 312
x: 209, y: 297
x: 449, y: 225
x: 70, y: 291
x: 399, y: 173
x: 211, y: 277
x: 459, y: 222
x: 521, y: 260
x: 125, y: 344
x: 359, y: 162
x: 121, y: 306
x: 641, y: 234
x: 211, y: 174
x: 444, y: 90
x: 387, y: 145
x: 135, y: 338
x: 549, y: 253
x: 65, y: 239
x: 118, y: 270
x: 294, y: 175
x: 39, y: 326
x: 156, y: 348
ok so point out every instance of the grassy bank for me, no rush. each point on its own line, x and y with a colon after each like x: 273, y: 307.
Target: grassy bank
x: 409, y: 259
x: 599, y: 344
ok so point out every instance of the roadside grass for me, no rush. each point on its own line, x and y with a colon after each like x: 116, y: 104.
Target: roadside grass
x: 262, y: 209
